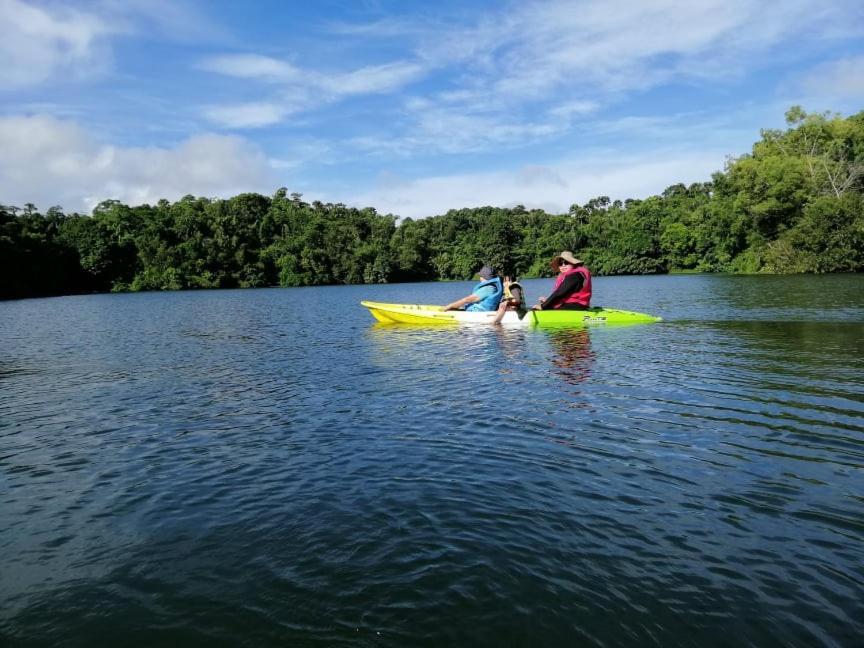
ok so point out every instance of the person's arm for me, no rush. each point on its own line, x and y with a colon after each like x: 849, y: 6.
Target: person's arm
x: 502, y: 309
x: 459, y: 303
x: 572, y: 283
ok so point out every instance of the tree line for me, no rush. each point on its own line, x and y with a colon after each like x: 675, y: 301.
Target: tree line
x: 795, y: 203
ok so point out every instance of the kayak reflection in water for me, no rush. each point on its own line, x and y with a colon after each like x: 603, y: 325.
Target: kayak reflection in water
x: 572, y: 287
x: 573, y: 355
x: 514, y: 299
x: 486, y: 295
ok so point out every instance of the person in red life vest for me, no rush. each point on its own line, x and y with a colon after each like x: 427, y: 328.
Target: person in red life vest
x: 572, y: 287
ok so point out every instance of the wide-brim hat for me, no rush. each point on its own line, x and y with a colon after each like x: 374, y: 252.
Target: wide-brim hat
x: 567, y: 256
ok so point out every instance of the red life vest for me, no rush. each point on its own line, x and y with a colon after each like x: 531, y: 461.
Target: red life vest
x: 582, y: 296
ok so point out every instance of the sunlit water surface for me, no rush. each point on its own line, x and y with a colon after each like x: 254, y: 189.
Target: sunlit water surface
x: 269, y: 467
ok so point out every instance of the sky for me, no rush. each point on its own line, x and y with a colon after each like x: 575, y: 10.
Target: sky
x: 413, y: 108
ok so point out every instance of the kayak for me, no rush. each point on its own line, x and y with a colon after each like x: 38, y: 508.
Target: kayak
x: 433, y: 314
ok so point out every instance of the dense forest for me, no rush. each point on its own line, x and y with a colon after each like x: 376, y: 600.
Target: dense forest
x: 794, y: 204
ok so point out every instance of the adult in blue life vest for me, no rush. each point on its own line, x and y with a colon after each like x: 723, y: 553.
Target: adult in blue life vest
x: 486, y: 295
x: 572, y: 287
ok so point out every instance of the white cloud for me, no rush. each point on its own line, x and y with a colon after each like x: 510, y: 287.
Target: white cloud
x: 536, y: 174
x: 372, y: 79
x: 47, y: 41
x: 572, y: 108
x: 613, y: 45
x: 567, y: 60
x: 536, y: 68
x: 449, y: 131
x: 58, y: 162
x: 252, y: 66
x: 249, y: 115
x: 442, y: 129
x: 38, y: 45
x: 299, y: 89
x: 179, y: 20
x: 842, y: 78
x: 300, y: 153
x: 552, y: 187
x: 379, y: 29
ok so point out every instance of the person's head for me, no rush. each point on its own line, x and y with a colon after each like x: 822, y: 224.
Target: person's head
x: 486, y: 272
x: 564, y: 261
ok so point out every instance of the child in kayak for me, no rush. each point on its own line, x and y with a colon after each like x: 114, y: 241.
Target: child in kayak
x: 514, y: 299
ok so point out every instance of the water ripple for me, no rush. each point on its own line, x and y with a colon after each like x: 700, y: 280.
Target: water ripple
x: 239, y: 467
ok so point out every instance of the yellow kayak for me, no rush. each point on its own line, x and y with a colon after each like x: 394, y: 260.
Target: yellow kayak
x: 433, y: 314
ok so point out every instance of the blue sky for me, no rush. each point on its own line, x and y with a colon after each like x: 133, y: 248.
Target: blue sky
x: 410, y: 107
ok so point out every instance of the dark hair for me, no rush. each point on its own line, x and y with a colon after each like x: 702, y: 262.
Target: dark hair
x: 487, y: 272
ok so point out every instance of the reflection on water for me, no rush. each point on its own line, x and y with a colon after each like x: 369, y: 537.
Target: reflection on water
x: 573, y: 356
x: 569, y: 353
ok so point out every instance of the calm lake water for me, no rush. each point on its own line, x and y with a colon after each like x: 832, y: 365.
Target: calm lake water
x: 270, y: 467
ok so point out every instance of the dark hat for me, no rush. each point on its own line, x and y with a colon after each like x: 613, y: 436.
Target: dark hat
x: 487, y: 272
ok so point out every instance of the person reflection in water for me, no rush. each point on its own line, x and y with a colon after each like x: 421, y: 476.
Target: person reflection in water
x: 573, y: 356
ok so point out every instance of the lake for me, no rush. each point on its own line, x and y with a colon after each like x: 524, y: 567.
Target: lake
x: 271, y: 467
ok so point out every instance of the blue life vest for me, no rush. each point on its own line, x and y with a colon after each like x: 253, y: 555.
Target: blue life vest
x: 489, y: 302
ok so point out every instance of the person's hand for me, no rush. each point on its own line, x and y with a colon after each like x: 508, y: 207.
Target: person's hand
x: 541, y: 300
